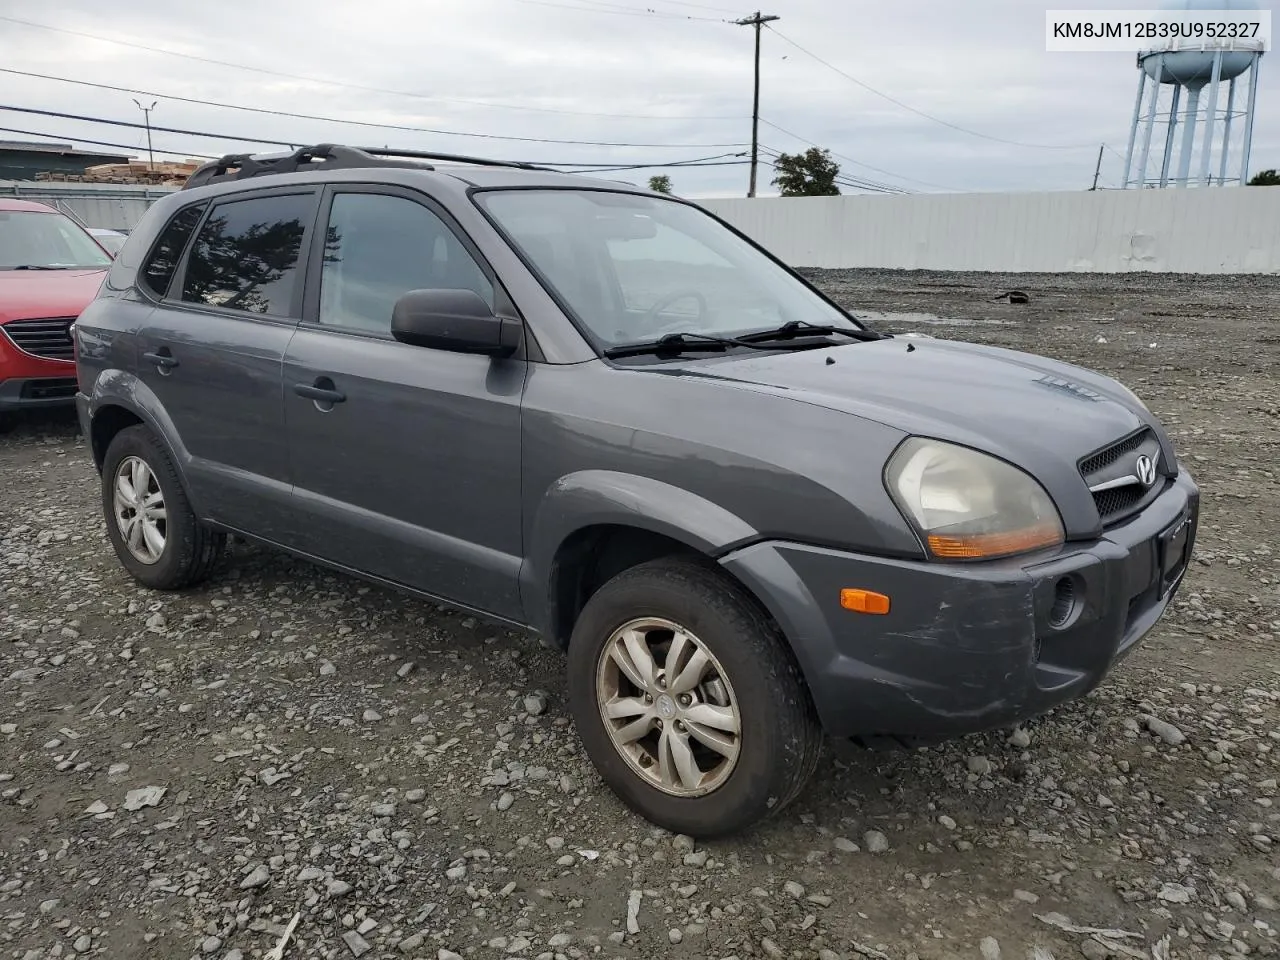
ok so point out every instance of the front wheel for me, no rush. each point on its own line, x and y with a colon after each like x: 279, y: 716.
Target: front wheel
x: 688, y: 701
x: 150, y: 522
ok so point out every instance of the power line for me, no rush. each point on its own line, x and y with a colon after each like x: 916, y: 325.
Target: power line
x: 325, y: 81
x: 858, y: 163
x: 851, y: 180
x: 678, y: 3
x: 871, y: 187
x: 662, y: 166
x: 139, y: 126
x: 848, y: 180
x: 132, y: 147
x: 627, y: 11
x: 223, y: 136
x: 695, y: 6
x: 356, y: 123
x: 716, y: 161
x: 928, y: 116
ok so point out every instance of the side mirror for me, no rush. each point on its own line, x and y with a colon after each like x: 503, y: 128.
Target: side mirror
x: 457, y: 320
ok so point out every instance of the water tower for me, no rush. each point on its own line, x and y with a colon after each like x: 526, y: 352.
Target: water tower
x: 1186, y: 68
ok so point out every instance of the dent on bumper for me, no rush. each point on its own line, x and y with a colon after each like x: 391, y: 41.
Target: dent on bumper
x: 965, y: 647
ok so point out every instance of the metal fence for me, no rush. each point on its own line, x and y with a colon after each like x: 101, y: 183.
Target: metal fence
x: 1224, y: 231
x: 110, y: 205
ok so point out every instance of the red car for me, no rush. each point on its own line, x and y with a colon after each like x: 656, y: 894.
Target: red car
x: 50, y: 268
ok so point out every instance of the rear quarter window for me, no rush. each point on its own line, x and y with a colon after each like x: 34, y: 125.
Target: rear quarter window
x: 161, y: 264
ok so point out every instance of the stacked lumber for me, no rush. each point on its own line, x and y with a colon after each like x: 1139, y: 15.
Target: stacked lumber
x: 135, y: 172
x: 153, y: 180
x: 140, y: 168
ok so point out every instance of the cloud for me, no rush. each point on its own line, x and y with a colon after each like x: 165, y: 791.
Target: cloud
x: 589, y: 70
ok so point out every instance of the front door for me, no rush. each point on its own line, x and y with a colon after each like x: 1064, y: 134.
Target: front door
x: 405, y: 459
x: 212, y: 349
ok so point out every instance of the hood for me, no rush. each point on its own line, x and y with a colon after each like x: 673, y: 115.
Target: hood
x: 1039, y: 414
x: 34, y: 294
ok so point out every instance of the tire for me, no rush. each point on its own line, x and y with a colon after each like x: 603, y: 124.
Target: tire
x: 7, y: 422
x: 188, y: 550
x: 779, y: 739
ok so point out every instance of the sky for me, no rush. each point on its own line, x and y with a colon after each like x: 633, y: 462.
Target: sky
x: 671, y: 79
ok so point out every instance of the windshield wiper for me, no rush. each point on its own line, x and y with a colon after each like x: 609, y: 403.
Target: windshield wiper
x: 678, y: 343
x: 803, y: 328
x: 37, y: 266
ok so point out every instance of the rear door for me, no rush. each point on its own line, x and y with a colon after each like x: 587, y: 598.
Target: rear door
x: 211, y: 351
x: 414, y: 473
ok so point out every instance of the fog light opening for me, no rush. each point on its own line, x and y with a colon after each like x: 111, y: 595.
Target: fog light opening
x: 1064, y: 602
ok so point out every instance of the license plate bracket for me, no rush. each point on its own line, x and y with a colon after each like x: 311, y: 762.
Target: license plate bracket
x: 1172, y: 548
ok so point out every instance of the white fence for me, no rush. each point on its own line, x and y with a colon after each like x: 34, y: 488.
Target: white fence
x: 1218, y: 230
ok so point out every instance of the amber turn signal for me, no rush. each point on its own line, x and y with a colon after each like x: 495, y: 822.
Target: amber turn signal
x: 989, y: 545
x: 864, y: 601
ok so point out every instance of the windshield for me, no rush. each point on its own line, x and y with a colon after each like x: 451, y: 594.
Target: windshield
x: 48, y: 241
x: 633, y: 268
x: 111, y: 241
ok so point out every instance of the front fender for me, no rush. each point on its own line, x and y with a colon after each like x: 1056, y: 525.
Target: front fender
x: 608, y: 498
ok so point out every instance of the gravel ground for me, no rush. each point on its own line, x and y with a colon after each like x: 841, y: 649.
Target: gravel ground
x: 185, y: 775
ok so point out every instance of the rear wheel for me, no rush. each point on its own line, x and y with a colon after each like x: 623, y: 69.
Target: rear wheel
x: 150, y: 522
x: 687, y: 700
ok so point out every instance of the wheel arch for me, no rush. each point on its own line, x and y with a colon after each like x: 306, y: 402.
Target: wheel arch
x: 119, y: 401
x: 593, y: 525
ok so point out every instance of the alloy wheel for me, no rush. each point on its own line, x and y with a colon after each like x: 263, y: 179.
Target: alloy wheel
x: 140, y: 510
x: 668, y: 707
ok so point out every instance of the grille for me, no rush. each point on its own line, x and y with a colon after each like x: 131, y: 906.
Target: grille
x: 1105, y: 458
x: 1118, y: 503
x: 1114, y: 504
x: 49, y: 338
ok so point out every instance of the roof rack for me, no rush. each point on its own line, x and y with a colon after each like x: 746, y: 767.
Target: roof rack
x: 330, y: 156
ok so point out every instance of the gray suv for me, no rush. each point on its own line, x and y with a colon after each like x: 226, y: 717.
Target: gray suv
x: 603, y: 415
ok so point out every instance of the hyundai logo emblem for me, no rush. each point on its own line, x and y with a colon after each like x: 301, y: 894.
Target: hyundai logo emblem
x: 1145, y: 470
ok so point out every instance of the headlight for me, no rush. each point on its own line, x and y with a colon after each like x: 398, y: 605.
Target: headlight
x: 970, y: 506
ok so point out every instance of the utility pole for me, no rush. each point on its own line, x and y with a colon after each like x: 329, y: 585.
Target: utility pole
x: 146, y: 112
x: 756, y: 21
x: 1098, y: 169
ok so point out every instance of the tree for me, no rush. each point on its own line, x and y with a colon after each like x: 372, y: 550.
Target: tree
x: 231, y: 270
x: 809, y: 174
x: 660, y: 183
x: 1265, y: 178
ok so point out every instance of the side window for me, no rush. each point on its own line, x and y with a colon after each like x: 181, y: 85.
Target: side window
x: 157, y: 272
x: 380, y: 247
x: 245, y: 257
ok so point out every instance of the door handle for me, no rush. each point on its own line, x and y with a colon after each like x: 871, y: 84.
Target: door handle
x: 318, y: 393
x: 162, y: 359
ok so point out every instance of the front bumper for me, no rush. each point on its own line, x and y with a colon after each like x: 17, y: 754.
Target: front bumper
x: 28, y: 381
x: 35, y: 392
x: 970, y: 647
